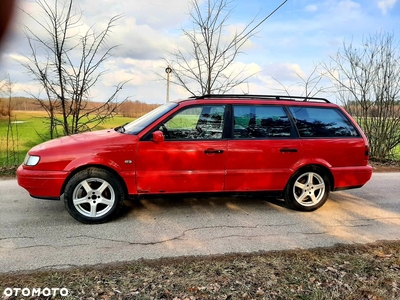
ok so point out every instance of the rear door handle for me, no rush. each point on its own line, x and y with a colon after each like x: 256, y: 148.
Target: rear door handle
x: 288, y: 150
x: 213, y: 151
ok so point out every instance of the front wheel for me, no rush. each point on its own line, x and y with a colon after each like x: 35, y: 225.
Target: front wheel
x: 93, y: 196
x: 307, y: 189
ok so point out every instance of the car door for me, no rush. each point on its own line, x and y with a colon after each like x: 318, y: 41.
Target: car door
x: 263, y: 149
x: 191, y: 157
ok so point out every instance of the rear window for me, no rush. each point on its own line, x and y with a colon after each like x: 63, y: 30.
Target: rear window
x: 322, y: 122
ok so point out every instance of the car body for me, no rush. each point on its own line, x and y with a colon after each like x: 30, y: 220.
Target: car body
x: 301, y: 147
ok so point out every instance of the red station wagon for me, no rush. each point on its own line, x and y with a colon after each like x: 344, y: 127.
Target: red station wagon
x: 301, y: 147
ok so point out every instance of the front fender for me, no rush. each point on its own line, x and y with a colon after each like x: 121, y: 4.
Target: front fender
x: 92, y: 160
x: 126, y: 171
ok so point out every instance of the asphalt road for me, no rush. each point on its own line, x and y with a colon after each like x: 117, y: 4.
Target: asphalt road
x: 40, y: 234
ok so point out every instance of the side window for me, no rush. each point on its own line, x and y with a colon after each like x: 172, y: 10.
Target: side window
x: 260, y: 121
x: 322, y: 122
x: 200, y: 122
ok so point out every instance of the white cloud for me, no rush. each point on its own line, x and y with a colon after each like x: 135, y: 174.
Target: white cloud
x: 139, y: 41
x: 348, y: 5
x: 156, y: 13
x: 284, y: 71
x: 385, y: 5
x: 300, y: 33
x: 311, y: 8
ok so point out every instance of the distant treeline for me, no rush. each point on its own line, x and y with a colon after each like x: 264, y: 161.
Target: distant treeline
x: 370, y: 110
x: 131, y: 109
x: 135, y: 109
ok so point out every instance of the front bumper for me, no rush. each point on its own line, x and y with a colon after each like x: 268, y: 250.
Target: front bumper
x: 42, y: 184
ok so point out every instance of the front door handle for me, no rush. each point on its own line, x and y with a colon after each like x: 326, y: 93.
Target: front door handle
x: 213, y: 151
x: 288, y: 150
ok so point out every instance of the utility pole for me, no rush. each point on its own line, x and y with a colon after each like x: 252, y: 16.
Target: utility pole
x: 168, y: 70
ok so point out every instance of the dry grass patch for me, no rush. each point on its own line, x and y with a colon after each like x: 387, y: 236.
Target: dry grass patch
x: 341, y: 272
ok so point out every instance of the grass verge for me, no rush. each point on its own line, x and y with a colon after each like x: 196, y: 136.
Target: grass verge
x: 29, y: 128
x: 341, y: 272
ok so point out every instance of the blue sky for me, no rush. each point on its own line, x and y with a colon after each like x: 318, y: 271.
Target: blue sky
x: 298, y: 36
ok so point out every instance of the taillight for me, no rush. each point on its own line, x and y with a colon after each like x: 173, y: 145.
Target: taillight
x: 366, y: 153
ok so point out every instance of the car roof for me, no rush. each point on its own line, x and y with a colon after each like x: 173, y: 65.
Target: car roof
x: 231, y: 98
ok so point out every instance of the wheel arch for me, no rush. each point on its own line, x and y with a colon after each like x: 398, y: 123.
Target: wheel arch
x: 323, y: 168
x: 111, y: 170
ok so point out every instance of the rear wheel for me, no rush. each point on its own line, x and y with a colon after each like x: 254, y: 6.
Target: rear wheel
x: 307, y: 189
x: 93, y: 196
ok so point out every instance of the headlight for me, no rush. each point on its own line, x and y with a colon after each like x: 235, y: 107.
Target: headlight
x: 31, y: 160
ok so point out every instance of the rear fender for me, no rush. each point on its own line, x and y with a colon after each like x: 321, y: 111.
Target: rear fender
x: 307, y: 162
x: 321, y: 163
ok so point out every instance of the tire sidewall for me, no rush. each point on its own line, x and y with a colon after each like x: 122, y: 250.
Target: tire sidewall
x: 75, y: 180
x: 289, y: 196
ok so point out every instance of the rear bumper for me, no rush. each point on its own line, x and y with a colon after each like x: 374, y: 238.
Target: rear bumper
x: 42, y: 184
x: 351, y: 177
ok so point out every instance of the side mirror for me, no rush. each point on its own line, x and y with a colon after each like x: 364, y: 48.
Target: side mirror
x: 158, y: 136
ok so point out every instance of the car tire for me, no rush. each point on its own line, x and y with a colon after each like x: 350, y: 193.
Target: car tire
x: 93, y: 196
x: 308, y: 189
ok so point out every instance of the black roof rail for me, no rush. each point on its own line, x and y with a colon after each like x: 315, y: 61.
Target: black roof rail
x: 266, y: 97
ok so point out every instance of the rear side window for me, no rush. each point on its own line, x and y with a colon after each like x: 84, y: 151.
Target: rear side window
x: 260, y: 121
x: 322, y: 122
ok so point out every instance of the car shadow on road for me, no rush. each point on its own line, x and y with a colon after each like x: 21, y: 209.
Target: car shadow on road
x: 245, y: 201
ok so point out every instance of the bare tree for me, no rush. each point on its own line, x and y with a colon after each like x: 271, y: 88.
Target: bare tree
x: 11, y: 144
x: 205, y: 68
x: 367, y: 81
x: 67, y: 65
x: 312, y: 85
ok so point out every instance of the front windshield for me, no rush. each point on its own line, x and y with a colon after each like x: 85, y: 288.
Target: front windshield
x: 139, y: 124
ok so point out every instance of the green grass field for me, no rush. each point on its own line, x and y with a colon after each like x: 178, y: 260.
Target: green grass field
x: 27, y: 129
